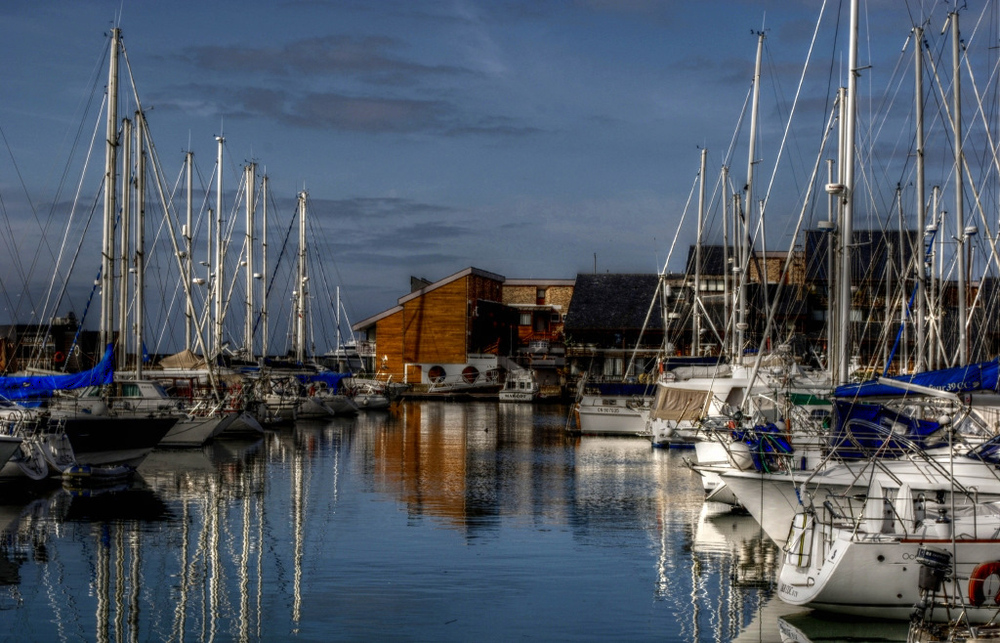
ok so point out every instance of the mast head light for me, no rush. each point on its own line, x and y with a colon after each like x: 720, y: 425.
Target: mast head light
x: 971, y: 231
x: 835, y: 188
x: 827, y: 226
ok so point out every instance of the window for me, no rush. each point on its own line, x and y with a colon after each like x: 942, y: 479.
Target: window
x: 613, y: 367
x: 525, y: 319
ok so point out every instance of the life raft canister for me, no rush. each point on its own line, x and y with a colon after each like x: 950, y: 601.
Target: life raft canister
x: 978, y: 578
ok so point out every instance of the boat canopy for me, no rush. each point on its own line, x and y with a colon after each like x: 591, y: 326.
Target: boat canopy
x: 331, y: 379
x: 959, y: 379
x: 40, y: 386
x: 679, y: 404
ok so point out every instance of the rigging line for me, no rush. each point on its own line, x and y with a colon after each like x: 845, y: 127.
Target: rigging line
x: 157, y: 175
x: 56, y: 273
x: 791, y: 116
x: 788, y: 260
x: 663, y: 271
x: 277, y: 263
x: 44, y: 242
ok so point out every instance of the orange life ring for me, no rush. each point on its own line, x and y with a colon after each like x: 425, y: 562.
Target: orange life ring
x: 978, y: 577
x: 59, y: 358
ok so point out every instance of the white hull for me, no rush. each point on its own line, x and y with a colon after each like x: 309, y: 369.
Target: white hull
x: 772, y: 499
x: 610, y: 415
x: 196, y: 431
x: 872, y: 574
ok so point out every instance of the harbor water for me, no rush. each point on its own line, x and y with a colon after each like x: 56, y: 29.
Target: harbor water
x: 438, y: 521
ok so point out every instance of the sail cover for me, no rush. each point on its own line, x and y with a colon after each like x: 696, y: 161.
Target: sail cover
x: 959, y: 379
x: 331, y: 379
x: 38, y: 386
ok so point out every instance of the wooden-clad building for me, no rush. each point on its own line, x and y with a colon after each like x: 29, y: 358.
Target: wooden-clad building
x: 452, y: 327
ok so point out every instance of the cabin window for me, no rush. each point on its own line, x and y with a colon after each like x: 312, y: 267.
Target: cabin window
x: 129, y: 389
x: 436, y: 374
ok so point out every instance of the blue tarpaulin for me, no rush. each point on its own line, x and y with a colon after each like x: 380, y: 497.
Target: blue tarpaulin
x: 39, y: 386
x: 960, y: 379
x: 331, y: 379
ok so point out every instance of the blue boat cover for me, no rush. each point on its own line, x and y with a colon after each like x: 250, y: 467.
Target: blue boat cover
x: 983, y: 376
x: 331, y: 379
x: 769, y: 448
x: 40, y: 386
x: 863, y: 430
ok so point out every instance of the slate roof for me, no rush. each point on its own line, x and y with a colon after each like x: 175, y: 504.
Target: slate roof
x: 612, y: 302
x: 713, y: 260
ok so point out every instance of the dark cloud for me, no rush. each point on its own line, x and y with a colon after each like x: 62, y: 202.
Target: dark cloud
x: 371, y: 58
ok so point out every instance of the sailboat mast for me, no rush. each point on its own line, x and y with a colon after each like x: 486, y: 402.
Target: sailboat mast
x: 140, y: 241
x: 124, y: 244
x: 186, y: 233
x: 696, y: 300
x: 251, y: 173
x: 831, y: 310
x: 218, y: 262
x: 110, y: 185
x: 300, y: 308
x: 742, y: 326
x: 847, y: 212
x: 263, y: 270
x: 918, y: 85
x: 963, y: 341
x: 338, y: 328
x: 726, y: 268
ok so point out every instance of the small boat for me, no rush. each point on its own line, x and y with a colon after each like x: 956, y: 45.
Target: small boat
x: 519, y: 386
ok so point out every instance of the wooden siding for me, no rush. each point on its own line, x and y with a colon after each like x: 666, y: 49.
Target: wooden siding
x: 483, y: 288
x: 389, y: 342
x: 435, y: 325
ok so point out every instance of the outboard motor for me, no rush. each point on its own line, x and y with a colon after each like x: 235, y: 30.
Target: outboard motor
x: 935, y: 568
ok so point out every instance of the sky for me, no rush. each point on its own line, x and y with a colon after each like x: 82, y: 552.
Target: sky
x: 529, y: 138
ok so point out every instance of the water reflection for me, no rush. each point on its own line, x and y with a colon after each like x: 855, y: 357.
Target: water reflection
x: 436, y: 521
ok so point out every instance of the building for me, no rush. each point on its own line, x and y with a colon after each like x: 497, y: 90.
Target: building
x: 454, y: 327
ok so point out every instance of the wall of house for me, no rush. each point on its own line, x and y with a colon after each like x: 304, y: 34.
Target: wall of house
x: 389, y: 342
x: 435, y: 324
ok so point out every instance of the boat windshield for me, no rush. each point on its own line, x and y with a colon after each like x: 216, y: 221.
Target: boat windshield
x: 988, y: 451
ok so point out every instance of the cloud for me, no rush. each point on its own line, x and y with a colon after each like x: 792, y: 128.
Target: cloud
x: 371, y: 58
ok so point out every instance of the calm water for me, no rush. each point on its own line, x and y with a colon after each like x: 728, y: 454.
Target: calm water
x: 442, y: 521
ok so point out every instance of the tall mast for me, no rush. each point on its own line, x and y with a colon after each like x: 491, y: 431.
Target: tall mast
x: 218, y: 263
x: 963, y: 341
x: 742, y: 326
x: 918, y: 85
x: 140, y: 241
x: 831, y: 310
x: 696, y: 310
x: 124, y: 245
x: 300, y: 307
x: 847, y: 212
x: 110, y: 185
x: 251, y: 173
x: 263, y: 271
x: 726, y: 268
x: 187, y: 234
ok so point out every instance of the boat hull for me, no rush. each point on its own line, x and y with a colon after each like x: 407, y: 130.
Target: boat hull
x: 610, y: 415
x: 121, y: 440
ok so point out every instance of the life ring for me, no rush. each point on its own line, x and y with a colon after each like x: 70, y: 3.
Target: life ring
x: 59, y: 358
x: 978, y: 577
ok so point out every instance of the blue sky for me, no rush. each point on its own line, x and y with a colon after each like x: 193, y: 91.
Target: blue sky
x: 521, y: 137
